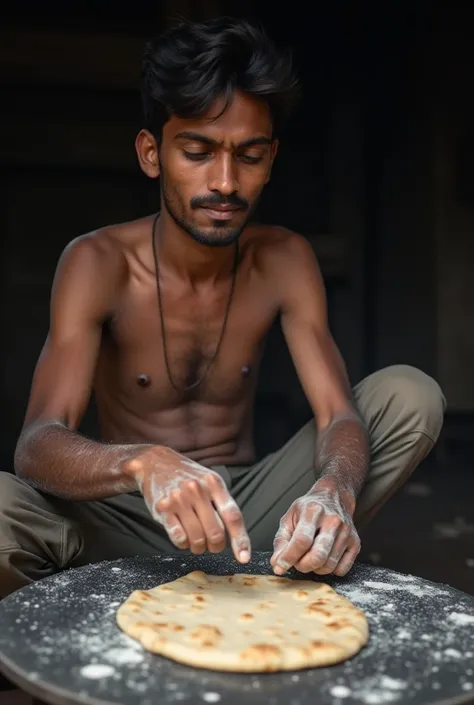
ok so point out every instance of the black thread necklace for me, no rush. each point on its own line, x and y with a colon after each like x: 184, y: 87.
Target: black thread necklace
x: 162, y: 319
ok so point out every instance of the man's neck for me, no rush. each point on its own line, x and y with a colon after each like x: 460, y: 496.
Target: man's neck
x: 189, y: 259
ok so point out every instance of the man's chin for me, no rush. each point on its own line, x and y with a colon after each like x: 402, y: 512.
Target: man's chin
x: 216, y: 236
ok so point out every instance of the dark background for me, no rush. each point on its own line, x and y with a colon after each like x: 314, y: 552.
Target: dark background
x: 376, y: 170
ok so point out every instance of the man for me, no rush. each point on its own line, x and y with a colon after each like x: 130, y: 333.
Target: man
x: 165, y: 318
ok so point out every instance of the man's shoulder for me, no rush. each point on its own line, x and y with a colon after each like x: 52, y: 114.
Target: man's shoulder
x: 105, y: 248
x: 276, y: 245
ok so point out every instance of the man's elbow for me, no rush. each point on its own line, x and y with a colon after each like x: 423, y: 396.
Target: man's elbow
x: 27, y: 450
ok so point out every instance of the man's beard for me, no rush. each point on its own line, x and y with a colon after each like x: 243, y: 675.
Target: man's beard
x: 220, y: 235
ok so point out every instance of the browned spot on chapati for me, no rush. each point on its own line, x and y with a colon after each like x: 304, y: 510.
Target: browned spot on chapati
x: 199, y: 598
x: 250, y: 580
x: 169, y: 626
x: 267, y: 655
x: 301, y: 595
x: 340, y: 624
x: 206, y: 634
x: 275, y: 579
x: 314, y: 609
x: 246, y: 617
x: 142, y: 595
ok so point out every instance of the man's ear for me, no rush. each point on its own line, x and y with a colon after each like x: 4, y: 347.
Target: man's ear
x: 147, y: 152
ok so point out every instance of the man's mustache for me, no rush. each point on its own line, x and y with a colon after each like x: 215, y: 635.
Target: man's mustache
x: 217, y: 200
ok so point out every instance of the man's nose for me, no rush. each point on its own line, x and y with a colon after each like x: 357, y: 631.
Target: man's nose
x: 223, y: 175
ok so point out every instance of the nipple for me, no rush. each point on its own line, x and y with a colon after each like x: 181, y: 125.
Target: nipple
x: 245, y: 370
x: 143, y: 380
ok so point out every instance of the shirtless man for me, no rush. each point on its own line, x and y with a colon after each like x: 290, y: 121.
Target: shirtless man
x: 165, y: 318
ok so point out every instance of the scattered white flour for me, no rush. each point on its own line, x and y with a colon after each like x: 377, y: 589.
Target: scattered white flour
x: 357, y: 595
x: 392, y: 683
x: 116, y: 570
x: 403, y: 634
x: 97, y: 670
x: 211, y: 697
x: 416, y: 590
x: 461, y: 619
x: 340, y: 691
x: 453, y: 653
x: 380, y: 586
x: 123, y: 656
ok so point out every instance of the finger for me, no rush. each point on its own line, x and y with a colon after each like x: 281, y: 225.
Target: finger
x: 175, y: 530
x: 282, y: 537
x: 231, y: 516
x: 319, y: 551
x: 341, y: 544
x: 348, y: 558
x: 212, y: 524
x: 181, y: 503
x: 329, y: 529
x: 301, y: 540
x: 193, y: 529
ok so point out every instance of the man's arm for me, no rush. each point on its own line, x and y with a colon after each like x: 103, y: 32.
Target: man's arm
x: 191, y: 502
x: 317, y: 533
x: 342, y: 451
x: 50, y: 454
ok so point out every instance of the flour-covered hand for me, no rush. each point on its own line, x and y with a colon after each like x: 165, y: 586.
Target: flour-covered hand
x: 317, y: 535
x: 190, y: 501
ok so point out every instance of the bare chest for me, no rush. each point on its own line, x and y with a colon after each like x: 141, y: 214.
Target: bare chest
x: 195, y: 347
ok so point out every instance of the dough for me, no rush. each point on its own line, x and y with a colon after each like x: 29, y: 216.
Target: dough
x: 242, y: 622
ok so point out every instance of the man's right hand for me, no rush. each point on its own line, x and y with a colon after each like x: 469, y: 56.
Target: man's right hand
x: 190, y: 501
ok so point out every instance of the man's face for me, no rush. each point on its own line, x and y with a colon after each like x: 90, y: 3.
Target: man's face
x: 212, y: 172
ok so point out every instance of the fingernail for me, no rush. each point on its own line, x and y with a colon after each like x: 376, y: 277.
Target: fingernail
x: 244, y: 556
x: 278, y: 570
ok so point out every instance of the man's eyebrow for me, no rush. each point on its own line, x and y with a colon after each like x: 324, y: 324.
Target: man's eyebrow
x: 198, y: 137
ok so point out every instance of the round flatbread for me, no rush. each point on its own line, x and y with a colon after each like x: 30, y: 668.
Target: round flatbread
x: 245, y: 623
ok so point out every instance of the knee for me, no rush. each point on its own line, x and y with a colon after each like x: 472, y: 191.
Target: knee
x: 10, y: 491
x: 414, y: 396
x: 14, y: 495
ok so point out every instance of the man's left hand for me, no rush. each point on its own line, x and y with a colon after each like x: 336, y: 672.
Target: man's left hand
x: 317, y: 534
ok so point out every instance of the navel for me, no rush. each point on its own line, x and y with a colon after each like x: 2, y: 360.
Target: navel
x: 143, y: 380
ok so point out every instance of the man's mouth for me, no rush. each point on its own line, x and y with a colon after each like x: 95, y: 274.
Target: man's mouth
x: 220, y: 212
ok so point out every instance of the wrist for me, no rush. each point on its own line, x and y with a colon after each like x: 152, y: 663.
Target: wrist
x: 345, y: 492
x: 132, y: 467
